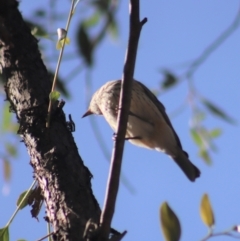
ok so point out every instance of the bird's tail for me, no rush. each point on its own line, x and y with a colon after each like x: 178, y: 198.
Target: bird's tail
x: 191, y: 171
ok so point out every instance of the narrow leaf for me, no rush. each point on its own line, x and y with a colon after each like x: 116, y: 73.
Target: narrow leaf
x: 215, y: 133
x: 206, y: 211
x: 113, y: 29
x: 6, y: 170
x: 92, y: 21
x: 20, y: 198
x: 60, y: 43
x: 4, y: 234
x: 217, y: 111
x: 85, y: 44
x: 196, y: 137
x: 169, y: 80
x: 170, y: 224
x: 67, y: 40
x: 11, y: 149
x: 37, y: 30
x: 6, y: 121
x: 40, y: 13
x: 203, y: 153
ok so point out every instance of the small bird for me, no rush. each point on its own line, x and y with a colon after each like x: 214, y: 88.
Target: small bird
x: 148, y: 124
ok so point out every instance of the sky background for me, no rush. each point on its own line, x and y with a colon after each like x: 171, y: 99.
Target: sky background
x: 176, y: 33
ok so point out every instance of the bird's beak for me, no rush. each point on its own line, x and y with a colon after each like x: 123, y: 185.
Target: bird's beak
x: 87, y: 113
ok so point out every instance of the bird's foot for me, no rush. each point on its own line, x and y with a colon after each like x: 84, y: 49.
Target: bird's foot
x: 126, y: 138
x: 133, y: 138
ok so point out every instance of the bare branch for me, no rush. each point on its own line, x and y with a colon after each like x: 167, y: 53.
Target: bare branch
x: 124, y: 105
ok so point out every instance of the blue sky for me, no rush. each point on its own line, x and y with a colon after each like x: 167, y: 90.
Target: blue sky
x: 176, y: 33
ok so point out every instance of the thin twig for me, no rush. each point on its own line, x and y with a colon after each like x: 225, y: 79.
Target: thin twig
x: 48, y: 235
x: 213, y: 46
x: 101, y: 141
x: 124, y: 104
x: 22, y: 201
x: 58, y: 64
x: 49, y: 231
x: 224, y: 233
x: 106, y: 153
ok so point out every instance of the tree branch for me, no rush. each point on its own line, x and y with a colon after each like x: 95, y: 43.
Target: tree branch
x: 61, y: 174
x: 213, y: 46
x: 124, y: 104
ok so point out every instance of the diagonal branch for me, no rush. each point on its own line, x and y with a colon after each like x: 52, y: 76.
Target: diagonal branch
x: 124, y: 105
x: 213, y: 46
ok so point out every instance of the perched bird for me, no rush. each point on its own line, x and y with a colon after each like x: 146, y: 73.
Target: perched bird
x: 148, y: 124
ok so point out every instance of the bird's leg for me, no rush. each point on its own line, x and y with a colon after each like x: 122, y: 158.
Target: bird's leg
x: 126, y: 138
x: 133, y: 138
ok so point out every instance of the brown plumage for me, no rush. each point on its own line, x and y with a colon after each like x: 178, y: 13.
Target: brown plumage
x: 147, y: 121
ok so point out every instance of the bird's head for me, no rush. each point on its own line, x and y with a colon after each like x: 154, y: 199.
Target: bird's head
x: 93, y: 106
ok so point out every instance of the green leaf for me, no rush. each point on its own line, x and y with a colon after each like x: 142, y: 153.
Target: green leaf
x: 169, y: 80
x: 205, y: 156
x: 61, y: 42
x: 92, y: 21
x: 215, y: 133
x: 6, y: 169
x: 101, y: 5
x: 54, y: 95
x: 6, y: 121
x: 206, y: 211
x: 37, y: 30
x: 20, y: 198
x: 170, y: 224
x: 218, y: 112
x: 196, y: 137
x: 4, y: 234
x: 199, y: 116
x: 40, y: 13
x: 85, y: 45
x: 60, y: 85
x: 113, y: 29
x: 11, y: 149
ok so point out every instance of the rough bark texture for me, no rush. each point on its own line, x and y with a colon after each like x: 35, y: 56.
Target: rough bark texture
x: 62, y: 176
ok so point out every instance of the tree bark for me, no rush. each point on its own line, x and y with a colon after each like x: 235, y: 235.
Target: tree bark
x: 61, y: 174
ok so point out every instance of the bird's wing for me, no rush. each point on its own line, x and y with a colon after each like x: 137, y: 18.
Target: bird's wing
x: 140, y: 118
x: 161, y: 108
